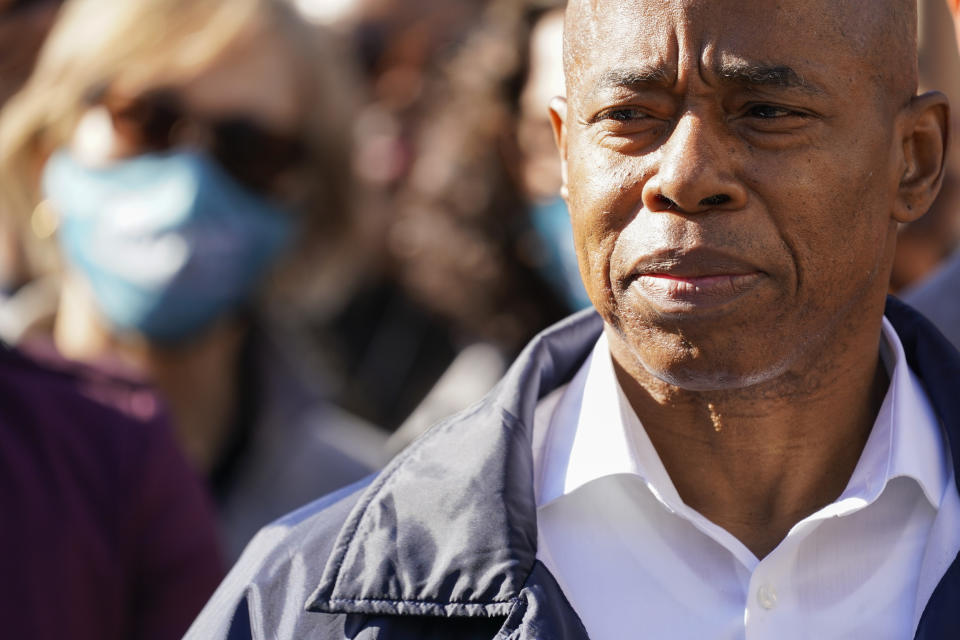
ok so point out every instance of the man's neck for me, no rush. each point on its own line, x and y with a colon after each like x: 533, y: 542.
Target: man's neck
x: 757, y: 460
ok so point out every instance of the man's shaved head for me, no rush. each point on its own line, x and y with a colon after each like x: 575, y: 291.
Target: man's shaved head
x: 881, y: 32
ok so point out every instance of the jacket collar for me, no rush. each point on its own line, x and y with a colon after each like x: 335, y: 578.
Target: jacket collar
x: 449, y: 527
x: 937, y: 365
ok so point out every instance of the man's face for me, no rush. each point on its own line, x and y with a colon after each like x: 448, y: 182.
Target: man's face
x: 731, y: 166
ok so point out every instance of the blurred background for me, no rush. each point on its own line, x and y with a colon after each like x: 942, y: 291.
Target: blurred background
x: 313, y: 227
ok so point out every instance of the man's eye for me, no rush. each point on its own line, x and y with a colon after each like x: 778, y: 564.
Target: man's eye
x: 623, y: 114
x: 769, y: 111
x: 627, y: 129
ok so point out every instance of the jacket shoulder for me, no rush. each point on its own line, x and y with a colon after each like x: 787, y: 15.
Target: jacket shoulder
x: 267, y: 590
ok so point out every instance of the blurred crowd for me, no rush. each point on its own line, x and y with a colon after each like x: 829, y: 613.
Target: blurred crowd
x: 283, y: 238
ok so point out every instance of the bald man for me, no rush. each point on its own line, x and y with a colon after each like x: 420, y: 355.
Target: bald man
x: 745, y: 439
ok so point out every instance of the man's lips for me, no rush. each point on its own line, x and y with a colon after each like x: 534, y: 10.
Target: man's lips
x: 696, y: 279
x: 693, y: 288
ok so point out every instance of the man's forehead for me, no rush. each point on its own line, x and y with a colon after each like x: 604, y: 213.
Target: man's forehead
x: 826, y: 11
x: 811, y: 33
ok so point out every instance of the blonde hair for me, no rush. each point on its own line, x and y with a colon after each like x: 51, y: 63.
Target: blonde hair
x: 136, y: 44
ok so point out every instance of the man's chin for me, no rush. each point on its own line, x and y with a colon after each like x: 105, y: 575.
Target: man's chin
x: 734, y: 347
x: 728, y: 362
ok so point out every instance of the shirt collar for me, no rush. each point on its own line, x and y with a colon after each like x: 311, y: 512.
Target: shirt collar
x: 594, y: 433
x: 906, y: 440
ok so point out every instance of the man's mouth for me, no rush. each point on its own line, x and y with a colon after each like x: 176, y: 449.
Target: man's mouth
x: 698, y: 279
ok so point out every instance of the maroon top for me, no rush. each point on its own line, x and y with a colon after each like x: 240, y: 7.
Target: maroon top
x: 105, y: 531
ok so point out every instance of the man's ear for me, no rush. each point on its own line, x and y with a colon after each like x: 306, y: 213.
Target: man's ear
x: 558, y: 118
x: 926, y: 129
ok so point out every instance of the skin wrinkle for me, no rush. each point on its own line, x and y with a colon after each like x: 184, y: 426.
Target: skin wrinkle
x: 663, y: 148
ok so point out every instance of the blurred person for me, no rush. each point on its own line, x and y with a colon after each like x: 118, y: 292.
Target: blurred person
x: 108, y: 531
x: 924, y: 245
x: 390, y: 348
x: 460, y: 230
x: 557, y: 259
x: 402, y: 41
x: 477, y: 237
x: 747, y: 437
x: 191, y: 163
x: 401, y: 45
x: 408, y: 356
x: 938, y: 296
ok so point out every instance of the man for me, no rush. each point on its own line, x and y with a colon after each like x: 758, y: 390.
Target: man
x: 740, y: 445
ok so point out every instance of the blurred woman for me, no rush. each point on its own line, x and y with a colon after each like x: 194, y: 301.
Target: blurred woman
x: 182, y: 168
x: 110, y: 535
x: 481, y: 236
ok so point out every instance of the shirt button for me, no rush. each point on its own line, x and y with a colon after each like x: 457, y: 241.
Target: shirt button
x: 767, y: 597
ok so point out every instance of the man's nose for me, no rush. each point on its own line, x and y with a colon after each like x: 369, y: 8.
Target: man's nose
x: 695, y: 172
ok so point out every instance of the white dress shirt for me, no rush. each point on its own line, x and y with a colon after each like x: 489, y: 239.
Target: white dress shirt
x: 636, y: 562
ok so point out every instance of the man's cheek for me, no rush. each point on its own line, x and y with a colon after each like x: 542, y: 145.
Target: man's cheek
x: 590, y: 239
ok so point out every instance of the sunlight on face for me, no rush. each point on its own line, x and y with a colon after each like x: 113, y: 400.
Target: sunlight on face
x: 730, y: 190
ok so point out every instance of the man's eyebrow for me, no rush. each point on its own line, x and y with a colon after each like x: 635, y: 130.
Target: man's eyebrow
x: 778, y: 76
x: 634, y: 78
x: 744, y: 73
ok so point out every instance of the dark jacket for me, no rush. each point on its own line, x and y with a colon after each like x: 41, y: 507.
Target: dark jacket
x: 442, y: 543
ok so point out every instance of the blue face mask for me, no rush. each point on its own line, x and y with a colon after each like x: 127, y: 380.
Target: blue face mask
x: 169, y: 242
x: 551, y: 221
